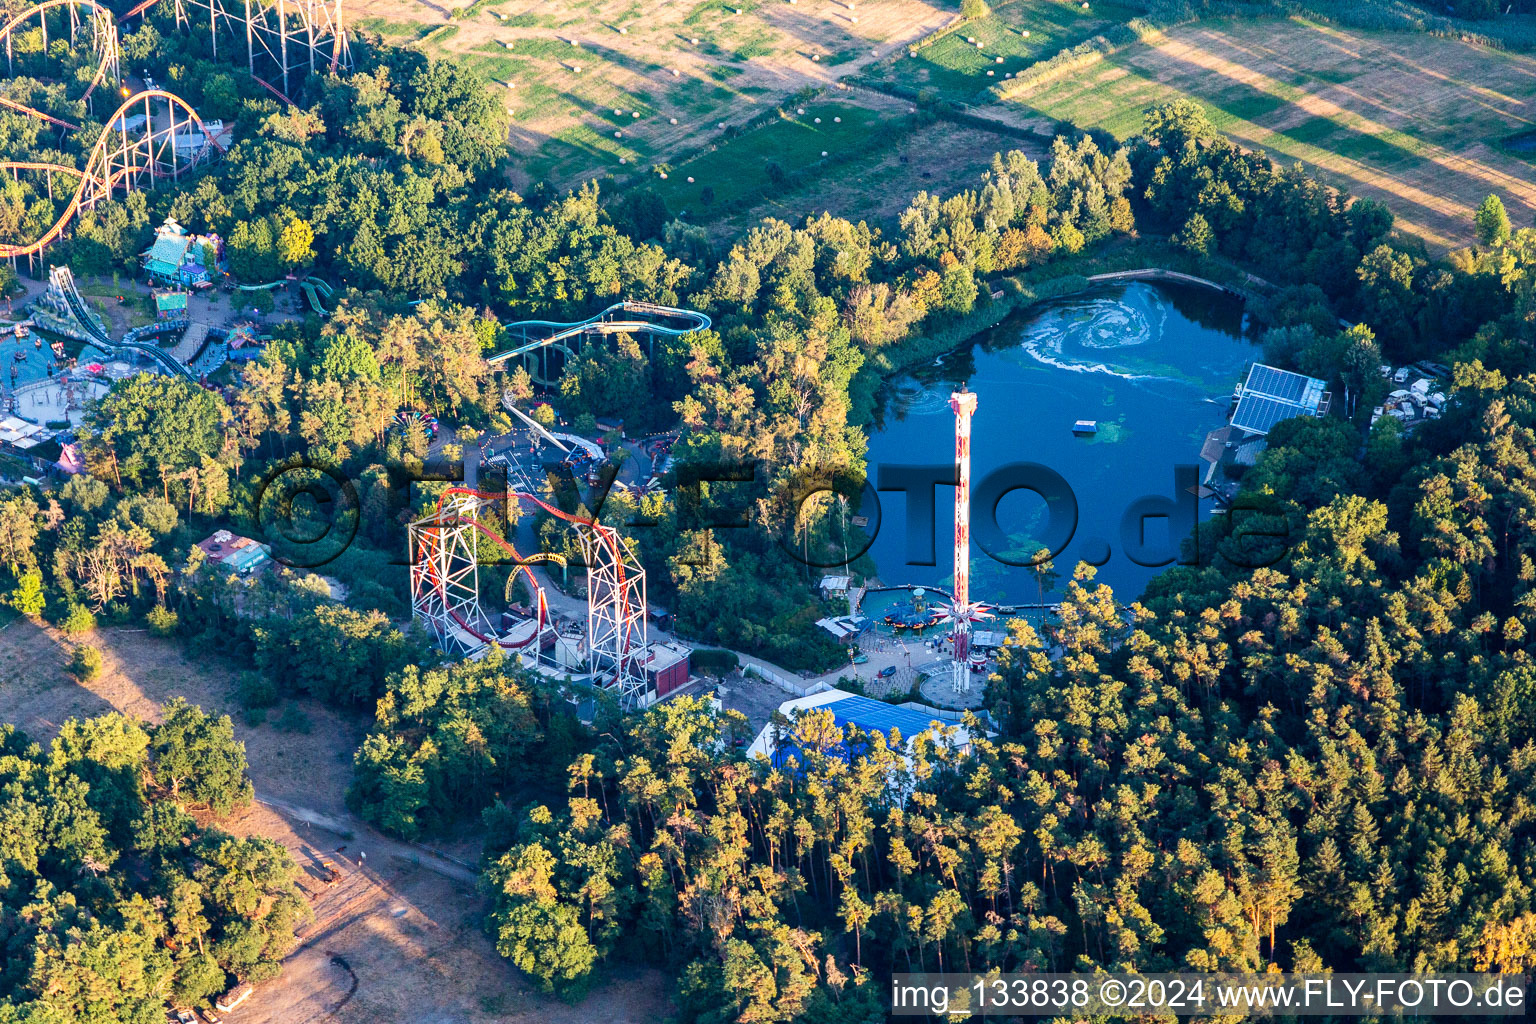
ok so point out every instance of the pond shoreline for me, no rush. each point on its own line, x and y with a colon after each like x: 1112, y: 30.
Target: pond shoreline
x: 1017, y: 293
x: 1145, y: 352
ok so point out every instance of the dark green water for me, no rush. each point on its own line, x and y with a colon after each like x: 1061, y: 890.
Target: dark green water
x: 1154, y: 364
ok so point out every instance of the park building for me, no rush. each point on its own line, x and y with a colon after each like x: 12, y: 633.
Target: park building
x: 777, y: 743
x: 1269, y: 395
x: 240, y: 555
x: 180, y: 258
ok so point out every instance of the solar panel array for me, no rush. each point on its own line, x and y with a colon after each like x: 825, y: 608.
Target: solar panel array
x: 1281, y: 384
x: 1272, y: 395
x: 1258, y: 414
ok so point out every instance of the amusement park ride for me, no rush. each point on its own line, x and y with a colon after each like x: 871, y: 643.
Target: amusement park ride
x: 286, y: 35
x: 153, y: 134
x: 445, y: 588
x: 539, y: 340
x: 962, y: 611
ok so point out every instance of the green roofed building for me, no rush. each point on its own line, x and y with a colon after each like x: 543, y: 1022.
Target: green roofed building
x: 177, y: 255
x: 171, y: 305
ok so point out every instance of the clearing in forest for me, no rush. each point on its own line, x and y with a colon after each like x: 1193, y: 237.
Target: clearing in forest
x: 701, y: 64
x: 394, y: 940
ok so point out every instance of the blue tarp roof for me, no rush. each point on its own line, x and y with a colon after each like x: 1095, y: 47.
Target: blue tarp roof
x: 869, y: 715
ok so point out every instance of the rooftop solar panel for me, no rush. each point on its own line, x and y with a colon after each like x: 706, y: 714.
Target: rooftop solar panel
x: 1258, y: 414
x: 1281, y: 384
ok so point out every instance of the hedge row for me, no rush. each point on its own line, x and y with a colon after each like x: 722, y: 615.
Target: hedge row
x: 1075, y: 58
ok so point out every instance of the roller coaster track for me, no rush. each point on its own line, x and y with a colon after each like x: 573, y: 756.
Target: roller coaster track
x: 444, y: 580
x: 120, y: 157
x: 22, y: 108
x: 102, y: 24
x: 291, y: 35
x: 641, y: 318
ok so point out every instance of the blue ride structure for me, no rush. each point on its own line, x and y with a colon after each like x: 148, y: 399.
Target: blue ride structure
x: 538, y: 342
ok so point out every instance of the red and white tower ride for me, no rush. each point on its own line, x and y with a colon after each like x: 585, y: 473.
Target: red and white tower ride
x: 963, y: 612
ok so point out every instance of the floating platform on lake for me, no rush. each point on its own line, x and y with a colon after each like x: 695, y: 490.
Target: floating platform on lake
x: 1084, y: 428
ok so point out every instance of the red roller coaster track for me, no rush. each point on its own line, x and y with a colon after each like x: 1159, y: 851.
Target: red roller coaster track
x: 606, y: 535
x: 34, y: 112
x: 119, y: 157
x: 104, y: 26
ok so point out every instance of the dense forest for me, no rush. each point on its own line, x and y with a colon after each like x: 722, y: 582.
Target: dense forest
x: 113, y: 898
x: 1326, y: 762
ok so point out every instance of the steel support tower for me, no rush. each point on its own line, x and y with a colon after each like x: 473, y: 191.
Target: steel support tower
x: 445, y: 588
x: 445, y: 574
x: 616, y: 629
x: 289, y: 35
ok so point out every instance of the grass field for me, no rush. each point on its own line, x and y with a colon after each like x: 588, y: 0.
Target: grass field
x: 1413, y: 120
x: 794, y: 144
x: 699, y: 64
x: 955, y: 68
x: 938, y: 157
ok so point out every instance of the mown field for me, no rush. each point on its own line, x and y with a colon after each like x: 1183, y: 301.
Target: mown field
x: 630, y: 90
x: 687, y: 68
x: 1416, y: 121
x: 937, y: 157
x: 1011, y: 38
x: 765, y: 157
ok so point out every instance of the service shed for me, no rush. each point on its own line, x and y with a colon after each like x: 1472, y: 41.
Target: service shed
x: 667, y: 667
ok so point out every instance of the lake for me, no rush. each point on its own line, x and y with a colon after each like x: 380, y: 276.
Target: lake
x: 1154, y: 364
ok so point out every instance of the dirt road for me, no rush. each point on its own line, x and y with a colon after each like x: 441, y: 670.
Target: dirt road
x: 399, y: 939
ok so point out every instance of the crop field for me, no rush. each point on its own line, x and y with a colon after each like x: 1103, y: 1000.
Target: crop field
x: 574, y: 74
x: 937, y: 157
x: 1413, y: 120
x: 1012, y: 37
x: 827, y: 133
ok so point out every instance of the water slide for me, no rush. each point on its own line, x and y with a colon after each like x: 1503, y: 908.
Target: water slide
x: 641, y: 318
x: 312, y: 285
x: 64, y: 283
